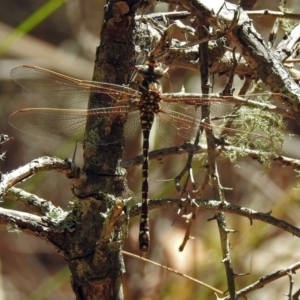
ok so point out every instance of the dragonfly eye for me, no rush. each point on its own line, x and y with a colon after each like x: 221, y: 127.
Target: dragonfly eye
x: 150, y: 71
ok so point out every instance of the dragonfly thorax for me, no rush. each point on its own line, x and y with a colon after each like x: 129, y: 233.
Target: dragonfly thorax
x: 150, y: 101
x: 151, y: 72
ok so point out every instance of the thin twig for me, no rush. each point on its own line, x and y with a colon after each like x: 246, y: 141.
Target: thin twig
x: 226, y: 207
x: 173, y: 271
x: 273, y: 13
x: 212, y: 167
x: 108, y: 228
x: 262, y: 281
x: 254, y: 154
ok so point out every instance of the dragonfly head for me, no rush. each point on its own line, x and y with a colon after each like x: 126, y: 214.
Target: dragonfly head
x: 151, y: 71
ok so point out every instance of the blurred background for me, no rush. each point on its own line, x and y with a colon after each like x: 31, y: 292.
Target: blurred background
x: 62, y: 36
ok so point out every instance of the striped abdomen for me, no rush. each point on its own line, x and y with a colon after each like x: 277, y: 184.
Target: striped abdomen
x: 149, y: 106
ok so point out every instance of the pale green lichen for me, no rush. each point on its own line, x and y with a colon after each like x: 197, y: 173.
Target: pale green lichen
x: 287, y: 25
x: 61, y: 220
x: 253, y: 128
x: 258, y: 130
x: 13, y: 228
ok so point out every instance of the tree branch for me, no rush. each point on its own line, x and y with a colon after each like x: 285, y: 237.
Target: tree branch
x: 223, y: 206
x: 28, y: 223
x: 262, y: 281
x: 41, y: 164
x: 32, y: 202
x: 186, y: 148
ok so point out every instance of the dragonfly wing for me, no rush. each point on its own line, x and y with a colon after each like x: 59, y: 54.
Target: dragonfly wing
x: 220, y: 106
x: 58, y: 123
x: 67, y: 91
x: 132, y: 124
x: 177, y: 120
x: 242, y: 122
x: 50, y: 123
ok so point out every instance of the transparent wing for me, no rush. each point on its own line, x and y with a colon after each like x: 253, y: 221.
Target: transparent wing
x: 59, y: 123
x: 67, y: 91
x: 178, y: 121
x: 132, y: 124
x: 247, y: 127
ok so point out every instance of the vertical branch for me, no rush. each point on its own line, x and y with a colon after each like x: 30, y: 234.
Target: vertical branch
x: 97, y: 272
x: 274, y: 31
x: 212, y: 167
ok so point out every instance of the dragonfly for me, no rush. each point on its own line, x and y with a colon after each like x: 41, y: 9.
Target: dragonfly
x: 140, y: 107
x: 177, y: 115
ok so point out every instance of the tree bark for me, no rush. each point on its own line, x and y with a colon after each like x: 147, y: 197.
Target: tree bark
x: 96, y: 262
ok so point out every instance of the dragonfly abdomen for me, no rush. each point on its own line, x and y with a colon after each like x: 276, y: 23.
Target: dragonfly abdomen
x: 144, y: 236
x: 149, y: 106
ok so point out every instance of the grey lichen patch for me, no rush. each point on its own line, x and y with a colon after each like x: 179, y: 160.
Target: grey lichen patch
x: 93, y: 139
x: 13, y: 228
x: 258, y: 130
x: 97, y: 134
x: 61, y: 220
